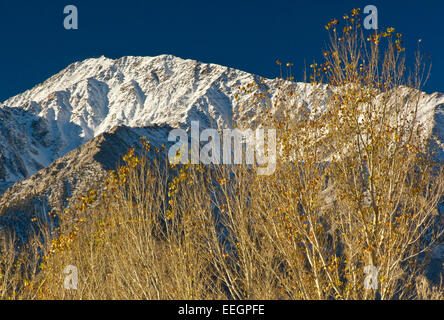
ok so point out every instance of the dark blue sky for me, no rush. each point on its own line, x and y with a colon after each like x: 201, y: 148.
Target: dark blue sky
x: 248, y: 35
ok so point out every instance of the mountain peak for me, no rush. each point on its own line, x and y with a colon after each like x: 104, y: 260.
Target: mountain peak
x: 92, y: 96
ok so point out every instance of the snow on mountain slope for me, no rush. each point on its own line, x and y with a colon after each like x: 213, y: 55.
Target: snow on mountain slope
x: 91, y: 97
x: 97, y: 94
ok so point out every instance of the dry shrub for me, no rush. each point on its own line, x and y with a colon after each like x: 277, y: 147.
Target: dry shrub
x: 356, y: 185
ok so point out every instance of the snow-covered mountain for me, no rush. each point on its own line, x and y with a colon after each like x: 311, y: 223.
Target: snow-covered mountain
x: 91, y: 97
